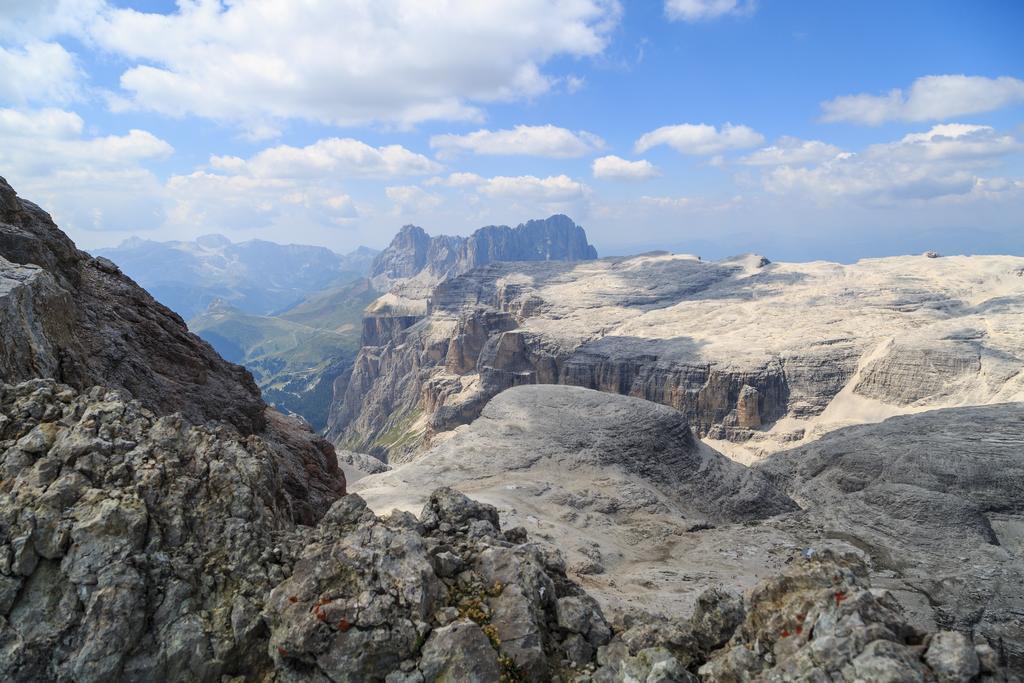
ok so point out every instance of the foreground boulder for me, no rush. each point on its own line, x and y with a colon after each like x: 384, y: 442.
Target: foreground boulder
x: 446, y: 597
x: 821, y: 621
x: 141, y: 547
x: 132, y: 546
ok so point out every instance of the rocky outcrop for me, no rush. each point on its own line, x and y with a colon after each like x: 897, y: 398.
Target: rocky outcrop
x: 647, y: 517
x: 133, y: 546
x: 438, y: 598
x: 78, y: 320
x: 413, y: 252
x: 138, y: 547
x: 936, y: 499
x: 757, y: 355
x: 820, y: 620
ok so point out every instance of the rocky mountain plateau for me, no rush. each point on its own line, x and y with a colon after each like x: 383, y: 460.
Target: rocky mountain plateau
x: 159, y: 521
x: 758, y: 356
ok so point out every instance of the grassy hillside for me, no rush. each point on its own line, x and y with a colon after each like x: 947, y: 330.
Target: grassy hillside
x: 294, y: 356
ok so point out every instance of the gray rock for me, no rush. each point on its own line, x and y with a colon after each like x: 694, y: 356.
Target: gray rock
x: 448, y: 506
x: 744, y: 348
x: 951, y: 657
x: 459, y: 652
x: 73, y: 318
x: 140, y: 546
x: 651, y: 665
x: 363, y: 462
x: 929, y: 497
x: 447, y: 564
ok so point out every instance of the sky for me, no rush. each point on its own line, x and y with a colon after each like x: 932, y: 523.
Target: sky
x: 797, y: 129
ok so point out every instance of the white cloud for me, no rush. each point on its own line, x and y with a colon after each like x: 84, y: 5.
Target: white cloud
x: 612, y: 166
x: 87, y: 183
x: 41, y: 141
x: 699, y: 10
x: 700, y: 138
x: 667, y: 202
x: 33, y: 20
x: 396, y: 61
x: 220, y: 202
x: 42, y: 73
x: 457, y: 180
x: 941, y: 162
x: 344, y: 157
x: 792, y: 152
x: 542, y: 141
x: 285, y: 185
x: 558, y: 188
x: 930, y: 98
x: 410, y: 199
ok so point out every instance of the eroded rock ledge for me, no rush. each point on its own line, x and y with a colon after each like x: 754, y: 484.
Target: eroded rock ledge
x: 138, y: 547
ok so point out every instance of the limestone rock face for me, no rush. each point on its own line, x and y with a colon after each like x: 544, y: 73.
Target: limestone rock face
x: 369, y: 600
x: 415, y: 255
x: 820, y: 621
x: 412, y: 250
x: 132, y: 545
x: 78, y: 320
x: 937, y: 500
x: 756, y: 355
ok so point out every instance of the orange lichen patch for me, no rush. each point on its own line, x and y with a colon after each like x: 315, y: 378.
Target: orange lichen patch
x: 343, y: 625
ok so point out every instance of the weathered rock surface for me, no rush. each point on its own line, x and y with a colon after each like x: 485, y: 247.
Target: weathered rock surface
x: 930, y: 501
x: 369, y: 598
x: 78, y: 320
x: 358, y: 465
x: 936, y: 500
x: 132, y: 546
x: 138, y: 547
x: 571, y: 440
x: 821, y: 621
x: 757, y: 355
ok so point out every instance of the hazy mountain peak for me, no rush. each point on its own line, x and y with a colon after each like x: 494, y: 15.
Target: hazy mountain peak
x: 413, y: 250
x: 213, y: 241
x: 256, y: 276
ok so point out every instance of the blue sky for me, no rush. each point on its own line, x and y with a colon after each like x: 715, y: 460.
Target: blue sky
x: 800, y: 130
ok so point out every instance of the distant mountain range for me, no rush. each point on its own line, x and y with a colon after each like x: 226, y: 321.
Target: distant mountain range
x: 292, y: 314
x: 255, y: 276
x: 414, y: 258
